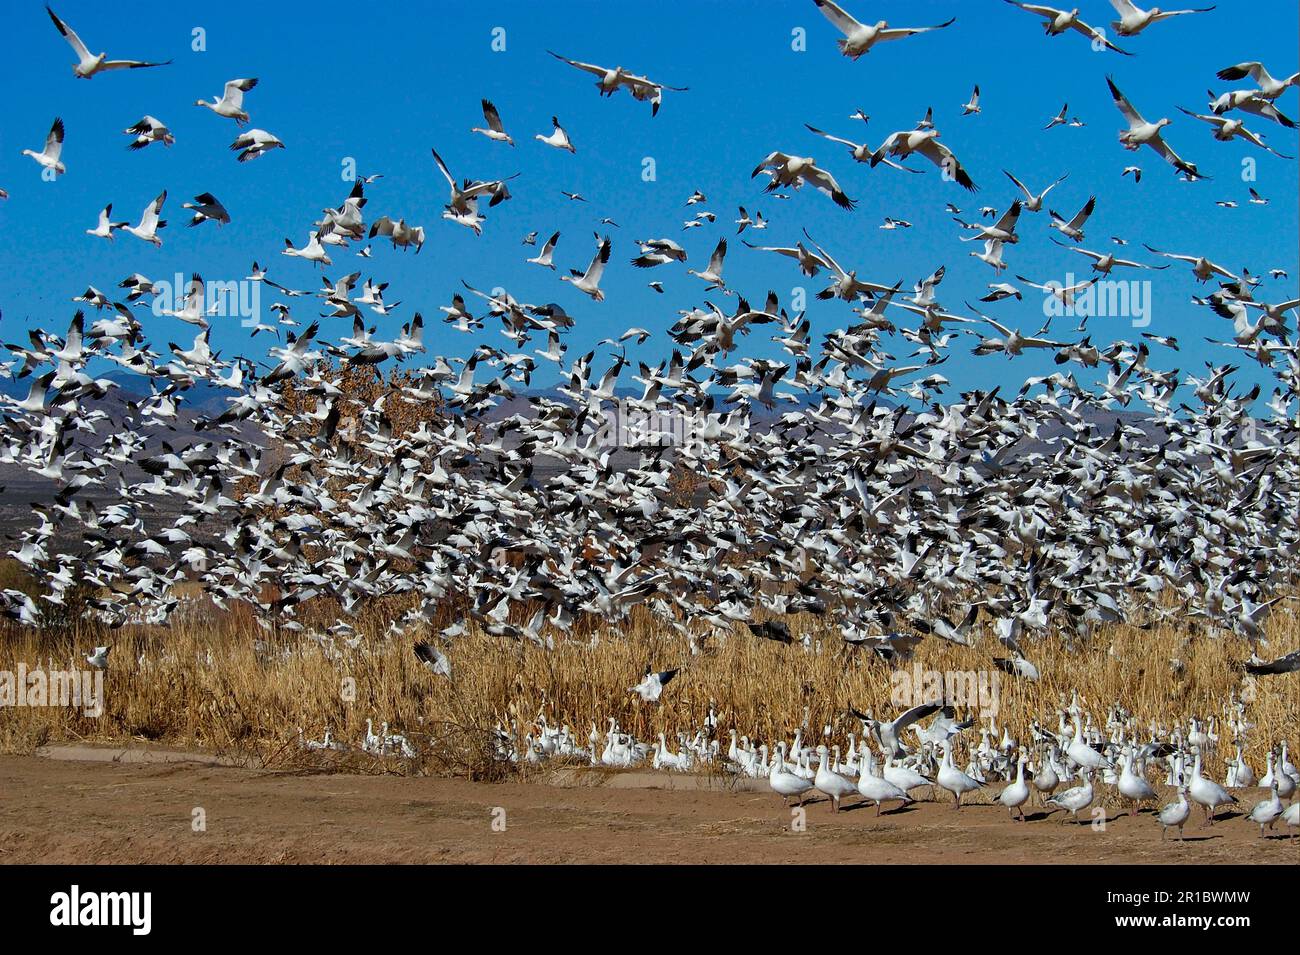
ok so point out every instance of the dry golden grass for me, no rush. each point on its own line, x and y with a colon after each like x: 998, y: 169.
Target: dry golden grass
x: 202, y: 683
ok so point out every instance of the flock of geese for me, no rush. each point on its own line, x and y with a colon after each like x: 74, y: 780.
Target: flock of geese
x: 841, y: 480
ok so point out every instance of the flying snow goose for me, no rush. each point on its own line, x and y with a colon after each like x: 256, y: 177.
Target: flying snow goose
x: 787, y: 170
x: 1269, y: 88
x: 48, y: 157
x: 150, y: 222
x: 1060, y: 119
x: 861, y: 152
x: 402, y: 235
x: 1135, y: 171
x: 888, y: 734
x: 99, y: 658
x: 494, y: 131
x: 655, y: 252
x: 1202, y: 268
x: 860, y: 38
x: 926, y: 142
x: 713, y: 273
x: 1225, y: 128
x: 104, y: 228
x: 462, y: 197
x: 1073, y: 228
x: 313, y: 251
x: 87, y: 63
x: 543, y: 258
x: 589, y: 282
x: 231, y: 102
x: 973, y: 105
x: 1141, y: 133
x: 254, y: 143
x: 1133, y: 19
x: 1056, y: 22
x: 558, y: 137
x: 1034, y: 202
x: 809, y: 262
x: 206, y: 207
x: 642, y: 88
x: 1248, y: 101
x: 1103, y: 262
x: 652, y: 684
x: 149, y: 130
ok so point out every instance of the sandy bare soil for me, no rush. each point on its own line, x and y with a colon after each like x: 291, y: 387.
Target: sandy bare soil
x: 74, y: 812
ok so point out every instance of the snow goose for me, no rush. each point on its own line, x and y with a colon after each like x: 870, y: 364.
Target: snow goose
x: 1226, y: 128
x: 953, y: 779
x: 831, y: 783
x: 1133, y: 19
x: 926, y: 142
x: 655, y: 252
x: 254, y: 143
x: 104, y: 228
x: 313, y: 251
x: 973, y: 105
x: 1073, y: 228
x: 1033, y: 202
x: 786, y: 170
x: 713, y: 273
x: 544, y: 257
x: 99, y: 658
x: 89, y: 64
x: 1132, y: 785
x: 401, y: 234
x: 809, y: 262
x: 1267, y: 811
x: 150, y: 222
x: 48, y: 157
x: 642, y: 88
x: 784, y: 782
x: 861, y: 152
x: 1206, y: 792
x: 888, y: 734
x: 860, y: 38
x: 904, y: 777
x: 652, y: 684
x: 494, y: 130
x: 1202, y: 268
x: 1077, y: 799
x: 149, y: 130
x: 1016, y: 794
x: 231, y: 102
x: 1269, y: 88
x: 589, y: 282
x: 558, y: 137
x: 876, y: 788
x: 1056, y: 22
x: 1060, y: 119
x: 1175, y: 814
x: 207, y: 207
x: 1141, y: 133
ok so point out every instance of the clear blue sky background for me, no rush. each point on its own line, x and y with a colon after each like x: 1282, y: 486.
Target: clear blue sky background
x: 383, y: 82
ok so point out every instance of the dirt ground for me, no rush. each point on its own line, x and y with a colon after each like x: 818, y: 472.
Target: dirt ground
x: 92, y: 812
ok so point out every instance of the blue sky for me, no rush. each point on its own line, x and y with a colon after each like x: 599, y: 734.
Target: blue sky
x: 384, y: 82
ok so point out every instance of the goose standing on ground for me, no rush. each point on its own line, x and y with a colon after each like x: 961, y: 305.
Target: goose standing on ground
x: 48, y: 157
x: 860, y: 38
x: 558, y: 138
x: 231, y: 102
x: 87, y: 63
x: 494, y: 131
x: 831, y: 783
x: 254, y: 143
x: 1141, y: 133
x: 784, y: 782
x: 1206, y: 792
x: 150, y: 222
x: 149, y: 130
x: 104, y: 228
x: 875, y: 788
x: 1132, y: 785
x: 1058, y: 21
x: 1175, y: 814
x: 1016, y: 794
x: 589, y: 282
x: 1133, y: 19
x: 1267, y: 811
x: 1075, y: 800
x: 953, y: 779
x: 641, y: 88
